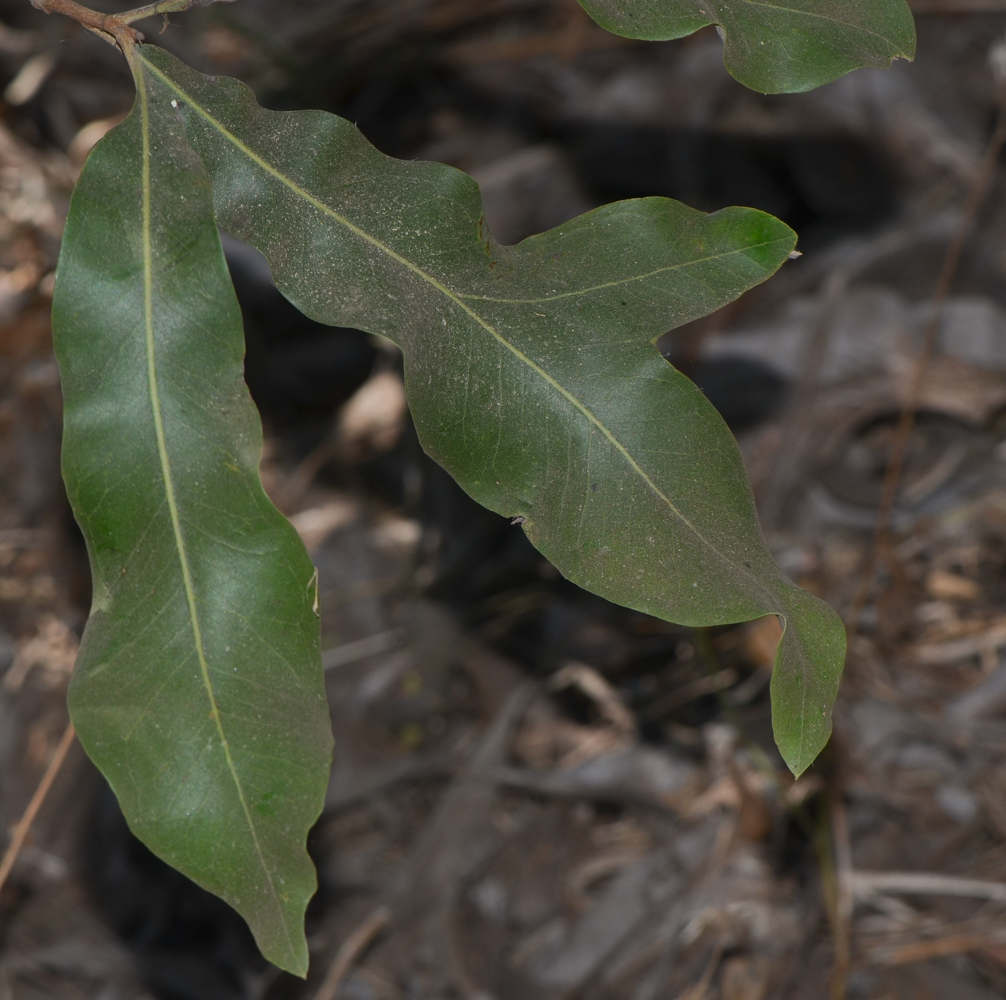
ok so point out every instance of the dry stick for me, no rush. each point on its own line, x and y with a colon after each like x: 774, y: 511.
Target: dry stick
x: 350, y: 949
x: 20, y: 834
x: 880, y: 549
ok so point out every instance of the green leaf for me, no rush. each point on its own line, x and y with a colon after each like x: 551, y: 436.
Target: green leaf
x: 198, y: 688
x: 775, y: 47
x: 531, y: 371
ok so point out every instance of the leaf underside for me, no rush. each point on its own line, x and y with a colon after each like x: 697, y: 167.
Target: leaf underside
x: 198, y: 688
x: 531, y: 371
x: 780, y: 47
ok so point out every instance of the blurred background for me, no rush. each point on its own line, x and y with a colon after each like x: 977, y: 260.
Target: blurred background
x: 536, y: 794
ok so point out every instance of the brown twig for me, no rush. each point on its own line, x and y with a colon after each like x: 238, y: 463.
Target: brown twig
x: 165, y: 7
x: 350, y: 950
x: 880, y: 550
x: 115, y: 28
x: 111, y: 27
x: 20, y: 833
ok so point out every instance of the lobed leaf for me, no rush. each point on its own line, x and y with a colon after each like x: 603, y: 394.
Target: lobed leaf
x: 531, y: 370
x: 779, y: 47
x: 198, y: 688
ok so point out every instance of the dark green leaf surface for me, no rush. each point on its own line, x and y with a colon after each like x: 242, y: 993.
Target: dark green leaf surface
x: 780, y: 47
x: 531, y: 371
x: 198, y: 689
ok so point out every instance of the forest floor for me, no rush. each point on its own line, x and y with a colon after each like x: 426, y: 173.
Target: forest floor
x: 536, y: 794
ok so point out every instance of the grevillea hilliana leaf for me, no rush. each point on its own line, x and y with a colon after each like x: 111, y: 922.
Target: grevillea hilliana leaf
x: 531, y: 371
x: 198, y: 688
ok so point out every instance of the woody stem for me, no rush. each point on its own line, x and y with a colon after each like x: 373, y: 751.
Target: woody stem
x: 111, y: 27
x: 164, y: 7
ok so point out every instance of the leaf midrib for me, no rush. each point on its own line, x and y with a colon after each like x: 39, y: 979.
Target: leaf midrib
x: 458, y: 300
x: 820, y: 17
x: 170, y: 499
x: 556, y: 296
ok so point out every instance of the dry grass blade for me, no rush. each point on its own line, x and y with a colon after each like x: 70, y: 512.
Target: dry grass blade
x: 20, y: 834
x: 866, y: 884
x: 923, y: 951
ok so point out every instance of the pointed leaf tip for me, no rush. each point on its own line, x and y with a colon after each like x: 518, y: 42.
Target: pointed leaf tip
x: 805, y: 679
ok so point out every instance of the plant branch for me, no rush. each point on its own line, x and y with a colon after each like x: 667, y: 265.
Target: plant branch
x: 115, y: 28
x: 164, y: 7
x: 111, y: 27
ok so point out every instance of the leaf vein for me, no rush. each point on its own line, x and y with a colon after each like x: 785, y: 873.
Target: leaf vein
x: 169, y: 490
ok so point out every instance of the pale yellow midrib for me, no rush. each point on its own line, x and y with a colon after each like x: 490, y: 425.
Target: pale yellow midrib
x: 169, y: 491
x: 557, y: 296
